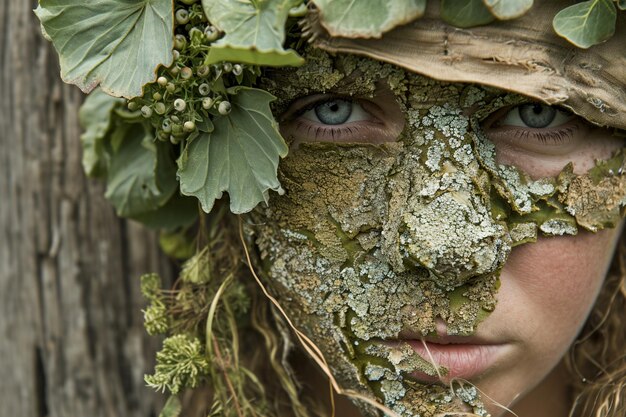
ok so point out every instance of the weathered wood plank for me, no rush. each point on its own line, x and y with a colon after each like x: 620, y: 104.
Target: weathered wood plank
x: 71, y: 336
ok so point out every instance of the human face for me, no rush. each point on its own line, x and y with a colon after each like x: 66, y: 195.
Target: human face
x: 388, y: 249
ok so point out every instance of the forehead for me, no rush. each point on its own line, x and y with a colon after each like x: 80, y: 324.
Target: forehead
x: 523, y: 55
x: 362, y: 77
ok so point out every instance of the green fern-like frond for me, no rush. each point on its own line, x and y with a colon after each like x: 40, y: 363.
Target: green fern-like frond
x: 181, y: 363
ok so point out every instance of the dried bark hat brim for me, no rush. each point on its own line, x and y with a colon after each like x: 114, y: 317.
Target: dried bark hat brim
x: 523, y: 55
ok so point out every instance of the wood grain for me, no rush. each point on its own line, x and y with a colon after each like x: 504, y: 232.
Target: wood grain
x: 71, y: 337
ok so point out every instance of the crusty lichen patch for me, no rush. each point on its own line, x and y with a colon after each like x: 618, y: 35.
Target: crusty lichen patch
x: 557, y: 205
x: 373, y: 240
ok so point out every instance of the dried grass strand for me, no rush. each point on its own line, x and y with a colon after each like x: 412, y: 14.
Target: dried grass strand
x: 462, y: 384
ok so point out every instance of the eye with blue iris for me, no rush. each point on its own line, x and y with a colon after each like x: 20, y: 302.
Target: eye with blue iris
x: 533, y: 126
x: 331, y: 118
x: 536, y: 116
x: 541, y: 139
x: 336, y: 112
x: 535, y: 137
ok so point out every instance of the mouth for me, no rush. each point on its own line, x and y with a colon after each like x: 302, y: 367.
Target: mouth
x: 456, y: 357
x: 460, y: 360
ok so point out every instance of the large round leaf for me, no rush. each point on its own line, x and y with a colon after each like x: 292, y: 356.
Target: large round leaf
x: 95, y: 116
x: 115, y: 43
x: 465, y: 14
x: 367, y: 18
x: 240, y: 156
x: 587, y: 23
x: 254, y: 32
x: 142, y: 174
x: 508, y: 9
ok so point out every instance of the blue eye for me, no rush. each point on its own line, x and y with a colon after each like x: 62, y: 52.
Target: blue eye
x: 536, y: 116
x: 333, y: 118
x: 336, y: 112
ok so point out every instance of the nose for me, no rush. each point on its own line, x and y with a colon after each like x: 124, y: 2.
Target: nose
x: 445, y: 225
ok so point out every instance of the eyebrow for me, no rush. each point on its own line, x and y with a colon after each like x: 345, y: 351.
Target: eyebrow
x: 345, y: 84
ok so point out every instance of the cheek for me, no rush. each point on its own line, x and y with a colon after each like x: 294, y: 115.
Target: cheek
x: 548, y: 160
x: 552, y: 285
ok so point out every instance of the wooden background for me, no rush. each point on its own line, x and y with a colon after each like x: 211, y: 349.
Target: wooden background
x: 72, y: 342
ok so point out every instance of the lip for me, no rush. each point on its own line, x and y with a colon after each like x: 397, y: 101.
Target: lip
x: 463, y: 357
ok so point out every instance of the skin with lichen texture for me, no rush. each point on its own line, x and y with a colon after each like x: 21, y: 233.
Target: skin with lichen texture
x: 372, y: 241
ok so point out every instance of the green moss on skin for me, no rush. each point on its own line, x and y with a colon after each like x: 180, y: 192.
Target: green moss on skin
x: 372, y: 239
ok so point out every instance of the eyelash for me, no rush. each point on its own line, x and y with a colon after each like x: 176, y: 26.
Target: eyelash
x: 321, y: 132
x: 363, y: 130
x: 552, y: 136
x: 316, y: 131
x: 558, y: 135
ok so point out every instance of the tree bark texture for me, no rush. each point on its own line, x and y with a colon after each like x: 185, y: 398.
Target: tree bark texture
x: 72, y: 342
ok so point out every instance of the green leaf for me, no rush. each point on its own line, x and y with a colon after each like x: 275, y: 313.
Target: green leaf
x: 141, y: 174
x: 115, y: 43
x: 586, y: 24
x: 240, y: 156
x: 255, y: 31
x: 366, y: 18
x: 197, y: 269
x: 179, y: 211
x: 621, y: 4
x: 465, y: 14
x: 181, y: 363
x: 95, y: 116
x: 177, y: 244
x: 250, y: 55
x: 508, y: 9
x: 172, y: 407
